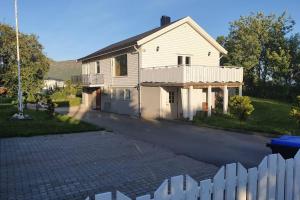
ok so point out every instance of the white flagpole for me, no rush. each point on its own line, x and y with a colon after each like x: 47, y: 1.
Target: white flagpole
x: 18, y: 61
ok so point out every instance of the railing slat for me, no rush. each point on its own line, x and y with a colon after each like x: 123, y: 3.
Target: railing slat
x: 280, y: 178
x: 272, y: 172
x: 219, y: 184
x: 205, y: 189
x: 162, y: 192
x: 241, y: 182
x: 252, y: 184
x: 263, y: 179
x: 297, y: 176
x: 104, y: 196
x: 192, y: 191
x: 177, y: 188
x: 289, y: 180
x: 230, y: 182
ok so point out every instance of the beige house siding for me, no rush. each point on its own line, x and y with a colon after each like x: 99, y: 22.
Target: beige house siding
x: 183, y: 40
x: 107, y: 68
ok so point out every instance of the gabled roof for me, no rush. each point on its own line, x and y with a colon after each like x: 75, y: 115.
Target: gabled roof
x: 149, y: 35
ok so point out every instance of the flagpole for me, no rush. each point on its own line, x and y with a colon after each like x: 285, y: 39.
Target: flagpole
x: 20, y: 107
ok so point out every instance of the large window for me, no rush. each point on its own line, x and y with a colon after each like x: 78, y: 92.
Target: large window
x: 121, y: 65
x: 98, y: 67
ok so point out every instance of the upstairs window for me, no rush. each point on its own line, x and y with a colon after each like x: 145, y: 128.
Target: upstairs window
x: 179, y: 60
x: 121, y: 65
x: 98, y: 67
x: 188, y: 61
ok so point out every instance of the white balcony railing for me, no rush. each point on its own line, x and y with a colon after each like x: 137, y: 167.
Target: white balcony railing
x: 88, y: 79
x: 186, y: 74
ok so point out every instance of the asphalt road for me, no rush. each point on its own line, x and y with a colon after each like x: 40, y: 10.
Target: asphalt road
x: 217, y: 147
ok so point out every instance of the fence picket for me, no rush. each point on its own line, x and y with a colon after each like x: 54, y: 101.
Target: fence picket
x: 192, y: 190
x: 218, y: 185
x: 103, y: 196
x: 121, y: 196
x: 177, y: 188
x: 280, y: 178
x: 205, y: 189
x: 289, y: 180
x: 230, y: 181
x: 241, y: 182
x: 272, y: 172
x: 162, y: 192
x: 252, y: 184
x: 297, y: 176
x: 144, y: 197
x: 262, y: 179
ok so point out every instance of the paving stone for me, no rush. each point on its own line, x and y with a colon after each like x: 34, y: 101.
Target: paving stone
x: 72, y: 166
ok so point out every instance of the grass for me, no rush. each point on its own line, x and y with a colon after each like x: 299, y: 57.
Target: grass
x: 68, y: 102
x: 269, y: 116
x: 41, y: 123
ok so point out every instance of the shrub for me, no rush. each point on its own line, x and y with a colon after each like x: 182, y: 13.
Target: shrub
x: 295, y: 111
x: 241, y: 107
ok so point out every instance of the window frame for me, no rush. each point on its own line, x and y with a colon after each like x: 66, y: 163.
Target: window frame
x: 171, y: 97
x: 181, y: 60
x: 114, y: 64
x: 127, y: 94
x: 189, y: 59
x: 98, y: 69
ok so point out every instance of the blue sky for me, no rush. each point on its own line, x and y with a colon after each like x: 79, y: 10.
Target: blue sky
x: 69, y: 29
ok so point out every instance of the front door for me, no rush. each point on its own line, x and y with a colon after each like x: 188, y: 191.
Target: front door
x: 172, y: 103
x: 98, y: 99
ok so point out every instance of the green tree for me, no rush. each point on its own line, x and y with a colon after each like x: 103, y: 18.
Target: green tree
x: 34, y: 64
x: 295, y: 111
x: 241, y: 107
x: 258, y: 43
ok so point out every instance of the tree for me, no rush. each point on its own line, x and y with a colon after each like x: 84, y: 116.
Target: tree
x: 258, y: 43
x: 241, y: 107
x: 34, y: 64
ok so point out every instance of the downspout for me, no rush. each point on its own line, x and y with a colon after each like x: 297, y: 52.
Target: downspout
x: 139, y: 78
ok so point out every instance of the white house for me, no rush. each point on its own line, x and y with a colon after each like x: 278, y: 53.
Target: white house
x: 171, y: 71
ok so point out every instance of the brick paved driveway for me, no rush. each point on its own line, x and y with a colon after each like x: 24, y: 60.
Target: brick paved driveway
x: 73, y: 166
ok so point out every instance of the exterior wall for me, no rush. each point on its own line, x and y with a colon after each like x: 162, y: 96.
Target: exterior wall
x: 118, y: 104
x: 183, y: 40
x: 151, y: 102
x: 89, y: 97
x: 107, y: 69
x: 198, y: 97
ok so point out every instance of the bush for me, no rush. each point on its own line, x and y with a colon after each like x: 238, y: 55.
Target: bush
x: 241, y: 107
x: 295, y: 111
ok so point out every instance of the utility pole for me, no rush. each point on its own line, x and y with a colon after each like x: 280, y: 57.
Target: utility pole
x: 20, y: 99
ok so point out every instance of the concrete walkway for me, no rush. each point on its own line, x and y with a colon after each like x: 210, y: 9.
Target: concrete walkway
x: 212, y: 146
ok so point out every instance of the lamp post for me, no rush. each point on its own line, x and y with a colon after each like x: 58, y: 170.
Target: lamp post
x: 18, y: 61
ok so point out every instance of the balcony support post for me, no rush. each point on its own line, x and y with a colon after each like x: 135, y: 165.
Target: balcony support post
x: 209, y: 101
x: 190, y: 106
x: 241, y: 90
x: 225, y: 99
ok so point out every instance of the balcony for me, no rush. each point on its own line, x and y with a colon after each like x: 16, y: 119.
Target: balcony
x: 192, y: 74
x: 88, y: 79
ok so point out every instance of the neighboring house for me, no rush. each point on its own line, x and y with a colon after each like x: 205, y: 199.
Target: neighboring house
x: 169, y: 72
x: 60, y: 72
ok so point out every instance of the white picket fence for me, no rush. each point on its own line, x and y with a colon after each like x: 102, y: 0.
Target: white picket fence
x: 274, y: 179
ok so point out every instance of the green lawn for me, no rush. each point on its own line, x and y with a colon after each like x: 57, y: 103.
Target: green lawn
x: 269, y: 116
x: 41, y: 123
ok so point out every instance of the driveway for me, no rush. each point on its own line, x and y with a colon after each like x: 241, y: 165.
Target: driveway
x: 73, y: 166
x: 208, y: 145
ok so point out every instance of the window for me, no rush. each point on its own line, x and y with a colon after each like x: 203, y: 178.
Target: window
x: 179, y: 60
x: 188, y: 61
x: 98, y: 67
x: 121, y: 94
x: 171, y: 97
x: 121, y: 65
x: 127, y: 94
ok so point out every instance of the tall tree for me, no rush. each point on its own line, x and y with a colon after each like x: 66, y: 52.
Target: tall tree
x: 258, y: 43
x: 34, y: 64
